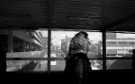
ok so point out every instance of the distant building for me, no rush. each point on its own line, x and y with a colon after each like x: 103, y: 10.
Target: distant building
x: 65, y: 45
x: 119, y: 46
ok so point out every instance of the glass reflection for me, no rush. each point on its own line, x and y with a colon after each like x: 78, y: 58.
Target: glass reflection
x: 119, y: 64
x: 26, y: 66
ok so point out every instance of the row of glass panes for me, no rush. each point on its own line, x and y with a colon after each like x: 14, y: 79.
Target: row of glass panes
x: 59, y: 45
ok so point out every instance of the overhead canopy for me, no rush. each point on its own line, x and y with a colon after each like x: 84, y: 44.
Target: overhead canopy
x: 89, y: 14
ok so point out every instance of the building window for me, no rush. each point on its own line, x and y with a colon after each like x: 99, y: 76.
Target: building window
x: 119, y: 55
x: 50, y: 47
x: 29, y: 51
x: 60, y: 40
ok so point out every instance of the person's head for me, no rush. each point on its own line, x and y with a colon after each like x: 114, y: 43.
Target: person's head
x: 82, y: 33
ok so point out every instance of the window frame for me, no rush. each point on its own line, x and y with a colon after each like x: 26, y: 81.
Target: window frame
x: 49, y: 58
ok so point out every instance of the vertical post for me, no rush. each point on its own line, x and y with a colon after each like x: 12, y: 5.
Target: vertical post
x: 49, y: 51
x: 103, y: 35
x: 3, y: 50
x: 104, y: 49
x: 133, y: 59
x: 50, y: 15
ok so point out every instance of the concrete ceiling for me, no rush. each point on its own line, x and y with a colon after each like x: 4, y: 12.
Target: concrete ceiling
x: 92, y: 14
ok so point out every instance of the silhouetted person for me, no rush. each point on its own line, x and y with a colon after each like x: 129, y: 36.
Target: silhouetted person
x: 79, y: 47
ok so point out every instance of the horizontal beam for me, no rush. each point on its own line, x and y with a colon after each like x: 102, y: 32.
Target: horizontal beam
x: 107, y: 58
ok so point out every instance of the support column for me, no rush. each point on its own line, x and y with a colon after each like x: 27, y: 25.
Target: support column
x: 49, y: 51
x: 104, y: 50
x: 50, y: 25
